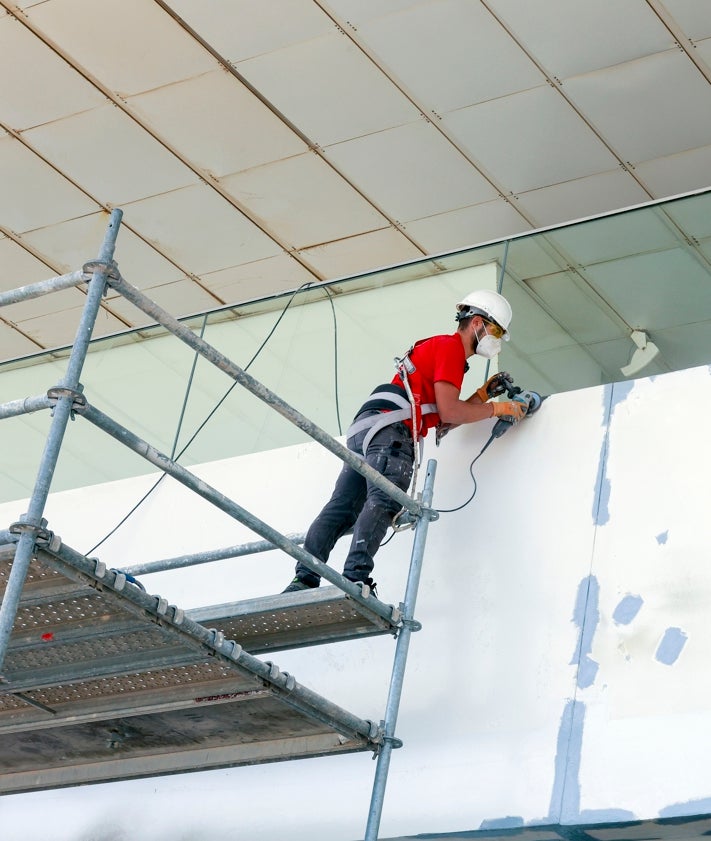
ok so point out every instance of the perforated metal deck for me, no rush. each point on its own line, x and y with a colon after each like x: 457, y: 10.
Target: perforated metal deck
x: 103, y: 681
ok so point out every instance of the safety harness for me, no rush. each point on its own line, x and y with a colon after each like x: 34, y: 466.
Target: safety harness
x: 395, y: 404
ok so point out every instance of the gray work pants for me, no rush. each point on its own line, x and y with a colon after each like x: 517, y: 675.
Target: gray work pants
x: 357, y: 504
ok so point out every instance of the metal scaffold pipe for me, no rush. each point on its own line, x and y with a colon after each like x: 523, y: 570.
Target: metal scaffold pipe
x: 25, y: 406
x: 136, y: 297
x: 400, y: 661
x: 44, y: 287
x: 32, y: 523
x: 208, y: 557
x: 224, y: 503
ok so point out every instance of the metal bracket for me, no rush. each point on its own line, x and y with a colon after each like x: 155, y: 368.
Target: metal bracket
x: 412, y: 625
x: 393, y: 741
x: 78, y: 399
x: 109, y: 269
x: 41, y: 533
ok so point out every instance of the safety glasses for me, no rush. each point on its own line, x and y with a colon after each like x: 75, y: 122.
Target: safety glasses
x: 494, y: 329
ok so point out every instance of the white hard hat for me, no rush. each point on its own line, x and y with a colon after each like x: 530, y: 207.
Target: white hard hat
x: 491, y: 305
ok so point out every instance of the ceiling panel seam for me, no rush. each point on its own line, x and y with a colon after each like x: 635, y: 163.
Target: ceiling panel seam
x: 100, y: 206
x: 557, y: 86
x: 42, y: 258
x: 685, y: 44
x: 313, y: 147
x: 207, y: 178
x: 348, y: 31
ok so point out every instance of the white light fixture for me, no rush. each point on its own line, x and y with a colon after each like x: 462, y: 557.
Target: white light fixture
x: 646, y: 351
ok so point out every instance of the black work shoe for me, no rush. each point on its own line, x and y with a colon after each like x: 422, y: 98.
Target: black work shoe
x: 299, y: 584
x: 369, y: 583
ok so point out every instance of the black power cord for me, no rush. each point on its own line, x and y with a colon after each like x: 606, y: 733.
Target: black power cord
x: 471, y: 473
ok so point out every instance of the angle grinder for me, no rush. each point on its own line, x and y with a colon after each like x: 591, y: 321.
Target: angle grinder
x: 531, y: 400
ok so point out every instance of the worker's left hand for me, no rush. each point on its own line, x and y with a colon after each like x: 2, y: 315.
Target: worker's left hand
x: 494, y: 386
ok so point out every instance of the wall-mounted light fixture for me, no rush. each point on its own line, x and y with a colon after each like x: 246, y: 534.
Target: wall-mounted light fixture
x: 645, y: 352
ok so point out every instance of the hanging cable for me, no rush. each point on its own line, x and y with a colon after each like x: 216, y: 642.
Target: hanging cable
x: 471, y: 473
x: 187, y: 393
x: 335, y: 358
x: 205, y: 421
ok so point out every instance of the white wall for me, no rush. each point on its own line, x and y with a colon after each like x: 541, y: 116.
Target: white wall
x: 562, y: 671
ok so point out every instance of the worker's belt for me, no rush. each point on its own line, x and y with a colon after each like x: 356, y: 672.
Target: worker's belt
x: 392, y: 405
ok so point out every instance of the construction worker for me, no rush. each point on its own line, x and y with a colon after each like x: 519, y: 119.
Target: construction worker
x: 432, y: 370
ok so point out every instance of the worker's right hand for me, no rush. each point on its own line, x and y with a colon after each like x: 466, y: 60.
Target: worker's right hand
x: 510, y: 410
x: 494, y: 386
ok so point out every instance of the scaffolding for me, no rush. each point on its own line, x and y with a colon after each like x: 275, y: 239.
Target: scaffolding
x: 101, y: 681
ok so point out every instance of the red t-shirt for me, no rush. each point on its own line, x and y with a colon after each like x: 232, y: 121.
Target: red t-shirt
x: 437, y: 359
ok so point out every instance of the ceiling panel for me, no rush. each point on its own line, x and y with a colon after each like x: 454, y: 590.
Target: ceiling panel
x: 141, y: 48
x: 638, y: 106
x: 532, y: 256
x: 613, y: 237
x: 574, y: 304
x: 58, y: 328
x: 65, y: 299
x: 459, y: 228
x: 361, y: 253
x: 199, y: 229
x: 580, y: 197
x: 183, y: 294
x: 197, y: 116
x: 601, y: 34
x: 691, y: 215
x: 692, y: 16
x: 677, y: 173
x: 538, y: 331
x: 19, y: 267
x: 108, y: 154
x: 470, y: 60
x: 13, y: 344
x: 305, y: 199
x: 33, y: 194
x: 258, y: 279
x: 529, y: 139
x: 271, y: 26
x: 615, y: 354
x: 685, y: 346
x: 412, y: 170
x: 24, y: 60
x: 73, y: 243
x: 329, y: 89
x: 357, y: 11
x: 703, y: 49
x: 339, y: 74
x: 646, y: 290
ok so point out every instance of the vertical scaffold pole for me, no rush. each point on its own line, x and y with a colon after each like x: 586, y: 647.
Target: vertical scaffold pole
x: 32, y: 522
x: 400, y: 661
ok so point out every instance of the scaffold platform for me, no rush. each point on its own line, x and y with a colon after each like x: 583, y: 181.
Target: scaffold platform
x: 102, y: 681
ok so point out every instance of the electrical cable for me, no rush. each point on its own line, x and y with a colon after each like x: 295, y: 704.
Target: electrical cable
x: 471, y: 473
x: 207, y: 418
x: 335, y: 357
x: 187, y: 393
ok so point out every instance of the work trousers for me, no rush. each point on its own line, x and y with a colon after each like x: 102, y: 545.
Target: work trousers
x: 357, y: 504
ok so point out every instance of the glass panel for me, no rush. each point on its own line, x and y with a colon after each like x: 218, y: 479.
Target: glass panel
x: 578, y: 292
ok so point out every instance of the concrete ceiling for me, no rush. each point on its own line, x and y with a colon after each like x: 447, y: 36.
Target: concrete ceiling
x: 254, y: 146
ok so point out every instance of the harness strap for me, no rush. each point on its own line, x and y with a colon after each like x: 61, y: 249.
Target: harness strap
x: 391, y: 398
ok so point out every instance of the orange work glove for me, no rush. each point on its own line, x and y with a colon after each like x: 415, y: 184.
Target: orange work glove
x: 510, y: 410
x: 494, y: 386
